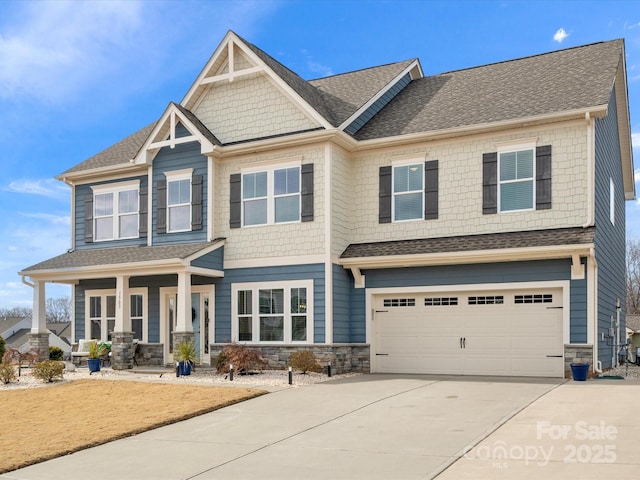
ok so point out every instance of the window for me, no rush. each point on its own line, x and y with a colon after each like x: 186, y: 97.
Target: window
x: 487, y: 300
x: 517, y: 174
x: 612, y: 203
x: 116, y: 211
x: 399, y: 302
x: 101, y: 313
x: 534, y: 298
x: 273, y: 313
x: 271, y: 196
x: 179, y: 204
x: 408, y: 202
x: 440, y: 301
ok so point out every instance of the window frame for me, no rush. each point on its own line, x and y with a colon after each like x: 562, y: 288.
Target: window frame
x: 179, y: 176
x: 115, y: 189
x: 516, y: 148
x: 288, y: 287
x: 420, y: 163
x: 104, y: 319
x: 271, y: 196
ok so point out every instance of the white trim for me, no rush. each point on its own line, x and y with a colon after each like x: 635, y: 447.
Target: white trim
x: 183, y: 174
x: 211, y: 177
x: 516, y: 148
x: 115, y: 189
x: 328, y: 235
x: 407, y: 163
x: 591, y: 148
x: 179, y: 176
x: 286, y: 285
x: 517, y: 145
x: 612, y: 202
x: 274, y: 261
x: 150, y: 191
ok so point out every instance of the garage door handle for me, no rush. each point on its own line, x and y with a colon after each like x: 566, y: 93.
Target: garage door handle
x: 553, y: 308
x: 463, y: 342
x: 382, y: 354
x: 554, y: 356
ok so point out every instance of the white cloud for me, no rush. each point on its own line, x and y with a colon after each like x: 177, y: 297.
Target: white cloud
x: 636, y: 175
x: 560, y: 35
x: 635, y: 140
x: 318, y: 68
x: 46, y: 188
x: 49, y: 218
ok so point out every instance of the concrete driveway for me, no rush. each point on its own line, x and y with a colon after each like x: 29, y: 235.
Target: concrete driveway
x: 370, y: 426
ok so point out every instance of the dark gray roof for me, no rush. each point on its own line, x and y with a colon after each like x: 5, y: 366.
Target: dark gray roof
x: 467, y: 243
x: 121, y: 152
x: 553, y: 82
x: 344, y: 94
x: 117, y: 255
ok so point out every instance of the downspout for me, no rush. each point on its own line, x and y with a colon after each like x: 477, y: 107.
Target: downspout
x: 592, y: 309
x: 24, y: 280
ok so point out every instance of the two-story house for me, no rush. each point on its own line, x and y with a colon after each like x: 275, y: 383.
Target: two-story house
x: 470, y: 222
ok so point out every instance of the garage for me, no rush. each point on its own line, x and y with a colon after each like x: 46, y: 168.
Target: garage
x: 505, y: 332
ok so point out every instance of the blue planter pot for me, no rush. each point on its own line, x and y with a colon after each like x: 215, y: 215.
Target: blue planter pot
x: 185, y: 368
x: 579, y: 371
x: 94, y: 364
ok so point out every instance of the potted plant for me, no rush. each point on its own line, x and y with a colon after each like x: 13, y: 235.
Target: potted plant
x: 186, y: 355
x: 96, y: 351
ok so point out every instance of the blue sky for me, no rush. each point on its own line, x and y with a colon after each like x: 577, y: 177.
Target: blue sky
x: 76, y: 77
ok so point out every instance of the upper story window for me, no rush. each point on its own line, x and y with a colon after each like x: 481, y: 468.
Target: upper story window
x: 408, y: 191
x: 116, y: 211
x: 517, y: 180
x: 178, y: 201
x: 271, y: 196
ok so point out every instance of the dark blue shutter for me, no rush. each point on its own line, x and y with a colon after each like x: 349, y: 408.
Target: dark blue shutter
x: 143, y: 216
x: 196, y: 202
x: 88, y: 218
x: 306, y: 193
x: 490, y: 183
x: 235, y: 200
x: 384, y: 195
x: 431, y: 190
x: 161, y: 214
x: 543, y: 177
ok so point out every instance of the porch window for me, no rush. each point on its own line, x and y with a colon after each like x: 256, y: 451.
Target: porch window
x: 137, y: 315
x: 273, y: 313
x: 100, y: 310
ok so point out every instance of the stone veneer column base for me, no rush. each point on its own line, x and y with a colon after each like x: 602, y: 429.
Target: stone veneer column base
x: 577, y: 354
x: 39, y: 343
x: 179, y: 337
x: 122, y: 350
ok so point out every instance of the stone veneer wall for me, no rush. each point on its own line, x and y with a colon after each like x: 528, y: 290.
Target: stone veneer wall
x: 148, y: 354
x: 39, y: 342
x: 343, y: 357
x: 577, y: 354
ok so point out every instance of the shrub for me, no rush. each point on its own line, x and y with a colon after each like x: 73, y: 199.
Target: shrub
x: 7, y: 373
x: 48, y: 370
x: 305, y: 361
x: 55, y: 353
x: 2, y: 347
x: 243, y: 359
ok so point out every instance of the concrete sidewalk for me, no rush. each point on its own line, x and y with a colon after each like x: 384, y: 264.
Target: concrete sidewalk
x: 374, y: 426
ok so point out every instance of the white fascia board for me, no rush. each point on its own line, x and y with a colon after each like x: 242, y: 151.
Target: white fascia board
x: 476, y: 256
x: 380, y: 93
x: 595, y: 111
x: 205, y: 272
x: 111, y: 172
x: 275, y: 261
x: 624, y: 130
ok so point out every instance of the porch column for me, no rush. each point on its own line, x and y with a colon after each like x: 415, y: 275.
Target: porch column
x: 184, y: 327
x: 39, y: 336
x: 122, y: 349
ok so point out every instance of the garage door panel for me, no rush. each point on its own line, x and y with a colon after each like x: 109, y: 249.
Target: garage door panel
x: 513, y: 336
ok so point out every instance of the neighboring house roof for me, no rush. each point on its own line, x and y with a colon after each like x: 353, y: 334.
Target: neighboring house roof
x: 564, y: 80
x: 118, y: 255
x: 467, y: 243
x: 633, y: 322
x: 61, y: 329
x: 7, y: 323
x: 18, y: 339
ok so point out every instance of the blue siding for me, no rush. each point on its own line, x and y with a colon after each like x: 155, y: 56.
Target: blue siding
x: 179, y: 158
x: 81, y: 192
x: 609, y: 239
x: 212, y: 260
x: 454, y: 275
x: 342, y: 289
x: 313, y: 272
x: 378, y: 105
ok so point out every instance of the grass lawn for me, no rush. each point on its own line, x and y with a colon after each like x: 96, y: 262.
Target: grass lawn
x: 38, y: 424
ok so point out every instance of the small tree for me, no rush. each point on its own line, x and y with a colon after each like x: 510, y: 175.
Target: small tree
x: 48, y: 370
x: 55, y: 353
x: 243, y: 359
x: 14, y: 355
x: 7, y: 373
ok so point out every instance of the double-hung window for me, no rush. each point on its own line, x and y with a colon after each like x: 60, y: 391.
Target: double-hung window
x: 178, y: 201
x: 517, y: 180
x: 271, y: 196
x: 116, y: 211
x: 408, y: 192
x: 278, y: 312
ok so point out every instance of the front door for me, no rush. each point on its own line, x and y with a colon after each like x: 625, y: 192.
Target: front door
x: 201, y: 311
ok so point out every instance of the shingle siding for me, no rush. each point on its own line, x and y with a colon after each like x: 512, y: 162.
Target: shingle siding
x: 609, y: 239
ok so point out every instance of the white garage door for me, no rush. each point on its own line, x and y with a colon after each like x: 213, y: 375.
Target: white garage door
x: 515, y: 332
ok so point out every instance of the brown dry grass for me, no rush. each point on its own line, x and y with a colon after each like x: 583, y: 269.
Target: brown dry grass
x: 38, y: 424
